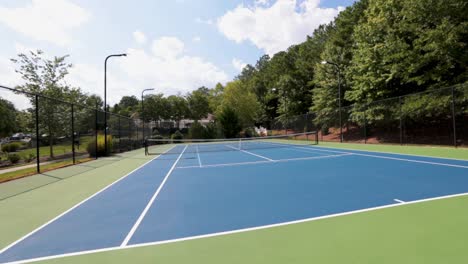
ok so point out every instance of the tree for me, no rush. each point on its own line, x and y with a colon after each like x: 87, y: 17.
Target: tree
x: 178, y: 108
x: 216, y: 96
x: 198, y: 103
x: 229, y: 121
x: 236, y: 97
x: 46, y: 77
x: 156, y: 107
x: 8, y: 123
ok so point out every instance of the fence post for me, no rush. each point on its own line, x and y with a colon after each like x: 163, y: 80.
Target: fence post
x: 96, y: 134
x: 453, y: 119
x: 365, y: 125
x: 401, y: 121
x: 73, y: 133
x: 120, y: 136
x: 38, y: 166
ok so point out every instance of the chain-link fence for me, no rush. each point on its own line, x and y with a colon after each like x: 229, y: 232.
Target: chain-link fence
x: 40, y: 133
x: 435, y: 117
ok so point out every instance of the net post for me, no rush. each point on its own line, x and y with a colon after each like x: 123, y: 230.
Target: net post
x: 240, y: 143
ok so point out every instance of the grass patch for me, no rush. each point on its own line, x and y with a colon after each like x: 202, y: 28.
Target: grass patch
x: 44, y: 168
x: 58, y: 149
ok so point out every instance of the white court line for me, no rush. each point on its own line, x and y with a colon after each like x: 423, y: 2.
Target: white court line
x: 137, y: 223
x: 248, y: 152
x: 238, y: 230
x: 78, y: 204
x: 198, y: 155
x: 393, y: 153
x: 399, y: 201
x: 264, y: 161
x: 393, y: 158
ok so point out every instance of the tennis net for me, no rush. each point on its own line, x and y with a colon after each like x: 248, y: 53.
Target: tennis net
x: 160, y: 146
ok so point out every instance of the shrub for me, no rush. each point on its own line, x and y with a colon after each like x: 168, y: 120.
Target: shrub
x: 197, y: 130
x: 30, y: 157
x: 101, y: 151
x: 14, y: 158
x: 158, y: 142
x: 250, y: 132
x: 212, y: 130
x: 230, y: 122
x: 177, y: 135
x: 11, y: 147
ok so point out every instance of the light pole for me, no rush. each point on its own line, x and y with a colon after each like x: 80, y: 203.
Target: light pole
x: 105, y: 96
x: 142, y: 109
x: 339, y: 94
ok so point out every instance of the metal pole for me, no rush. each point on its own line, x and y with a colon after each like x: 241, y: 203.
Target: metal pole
x: 365, y: 127
x: 142, y: 113
x: 339, y: 102
x: 105, y: 106
x: 120, y: 136
x: 96, y: 133
x: 401, y: 121
x: 142, y: 109
x: 73, y: 133
x: 38, y: 166
x: 454, y: 119
x: 105, y: 97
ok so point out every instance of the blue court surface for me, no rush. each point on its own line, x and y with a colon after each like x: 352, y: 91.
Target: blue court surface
x: 186, y: 193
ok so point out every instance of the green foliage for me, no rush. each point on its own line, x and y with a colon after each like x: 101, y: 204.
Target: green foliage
x: 213, y: 130
x: 197, y: 130
x: 29, y: 157
x: 178, y: 108
x: 156, y: 107
x: 11, y: 147
x: 198, y: 103
x: 47, y: 77
x: 8, y: 115
x: 14, y: 158
x: 230, y: 123
x: 238, y: 98
x: 177, y: 135
x: 101, y: 150
x: 250, y: 132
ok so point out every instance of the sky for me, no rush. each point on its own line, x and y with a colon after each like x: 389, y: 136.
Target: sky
x: 174, y: 46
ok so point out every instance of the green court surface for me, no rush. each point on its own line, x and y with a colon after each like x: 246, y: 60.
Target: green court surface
x: 426, y: 232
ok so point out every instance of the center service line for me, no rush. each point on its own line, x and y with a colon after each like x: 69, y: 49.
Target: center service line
x: 248, y: 152
x: 143, y: 214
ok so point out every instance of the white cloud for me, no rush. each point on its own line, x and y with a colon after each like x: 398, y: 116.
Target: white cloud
x: 238, y: 64
x: 167, y: 47
x: 204, y: 21
x: 262, y: 2
x: 168, y: 69
x: 139, y: 37
x: 196, y: 39
x: 276, y: 27
x: 46, y: 20
x: 10, y: 78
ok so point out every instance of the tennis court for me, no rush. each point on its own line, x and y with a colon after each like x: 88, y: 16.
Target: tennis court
x: 197, y: 190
